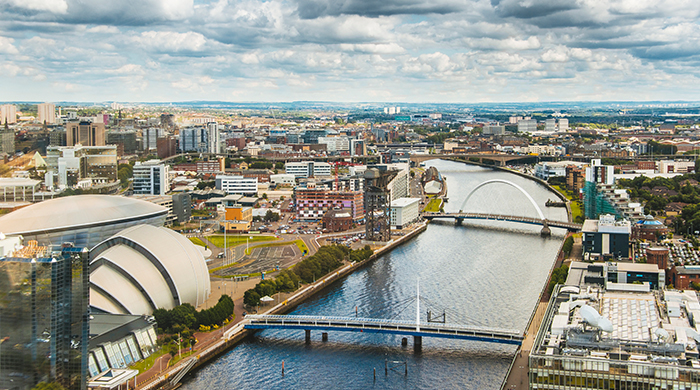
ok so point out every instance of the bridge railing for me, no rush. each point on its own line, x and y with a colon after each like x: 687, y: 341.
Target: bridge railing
x: 331, y: 320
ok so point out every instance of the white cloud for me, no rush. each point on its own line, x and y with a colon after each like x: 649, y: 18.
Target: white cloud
x: 170, y: 41
x: 53, y: 6
x: 7, y: 47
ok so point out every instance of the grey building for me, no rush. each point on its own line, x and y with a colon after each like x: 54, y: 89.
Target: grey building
x: 182, y: 207
x: 126, y: 138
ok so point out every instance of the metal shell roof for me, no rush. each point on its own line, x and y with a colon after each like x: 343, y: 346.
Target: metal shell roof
x: 76, y: 211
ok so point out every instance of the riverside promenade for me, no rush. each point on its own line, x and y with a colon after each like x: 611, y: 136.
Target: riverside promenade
x: 210, y: 345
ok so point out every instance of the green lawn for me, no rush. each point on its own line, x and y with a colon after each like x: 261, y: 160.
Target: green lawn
x: 146, y: 364
x: 197, y: 241
x: 576, y: 205
x: 234, y: 240
x: 434, y: 205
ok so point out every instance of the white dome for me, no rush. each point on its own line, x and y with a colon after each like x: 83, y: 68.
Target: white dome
x: 144, y: 268
x: 77, y: 211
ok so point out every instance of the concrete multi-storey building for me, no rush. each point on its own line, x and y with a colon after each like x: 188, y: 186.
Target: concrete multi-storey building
x: 404, y: 211
x: 8, y: 114
x: 85, y: 133
x: 213, y: 138
x: 307, y: 169
x: 550, y: 125
x: 234, y: 184
x: 150, y: 137
x: 46, y: 113
x: 151, y: 178
x: 127, y: 139
x: 527, y: 126
x: 494, y: 129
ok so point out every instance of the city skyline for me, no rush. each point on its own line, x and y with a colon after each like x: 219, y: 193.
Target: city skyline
x: 350, y: 51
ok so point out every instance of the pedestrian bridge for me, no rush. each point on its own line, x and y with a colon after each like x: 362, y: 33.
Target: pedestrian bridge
x: 369, y: 325
x: 459, y: 217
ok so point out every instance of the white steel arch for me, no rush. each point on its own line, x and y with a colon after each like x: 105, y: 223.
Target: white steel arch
x: 532, y: 201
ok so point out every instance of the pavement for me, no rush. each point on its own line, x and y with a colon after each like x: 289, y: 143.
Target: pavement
x: 518, y: 377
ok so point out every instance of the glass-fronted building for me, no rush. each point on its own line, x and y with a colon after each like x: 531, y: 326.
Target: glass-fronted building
x: 44, y: 301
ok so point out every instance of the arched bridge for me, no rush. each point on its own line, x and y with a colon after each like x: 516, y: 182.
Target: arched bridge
x: 540, y: 220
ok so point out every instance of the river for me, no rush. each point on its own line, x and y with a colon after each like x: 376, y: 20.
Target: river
x: 479, y: 276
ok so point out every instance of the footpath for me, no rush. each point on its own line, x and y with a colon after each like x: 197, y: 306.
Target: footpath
x: 211, y: 344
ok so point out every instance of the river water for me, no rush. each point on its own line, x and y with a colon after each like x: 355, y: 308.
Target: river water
x: 484, y: 276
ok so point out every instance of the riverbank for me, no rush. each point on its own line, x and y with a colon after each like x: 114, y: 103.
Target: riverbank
x: 234, y: 333
x: 561, y: 196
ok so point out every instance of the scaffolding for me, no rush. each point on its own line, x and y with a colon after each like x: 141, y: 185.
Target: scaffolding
x: 596, y: 203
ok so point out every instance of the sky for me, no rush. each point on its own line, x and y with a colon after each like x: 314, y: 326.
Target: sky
x: 460, y: 51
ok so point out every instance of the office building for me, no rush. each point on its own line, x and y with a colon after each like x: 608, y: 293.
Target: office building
x: 527, y: 126
x: 85, y: 133
x: 44, y: 315
x: 151, y: 178
x: 404, y: 211
x: 125, y: 138
x: 494, y: 129
x: 234, y: 184
x: 7, y: 141
x: 606, y: 237
x: 311, y: 136
x: 625, y: 337
x: 57, y: 136
x: 150, y: 137
x: 84, y: 220
x: 307, y: 169
x: 77, y: 163
x: 575, y: 179
x: 194, y: 139
x: 166, y: 147
x: 8, y: 114
x: 143, y: 268
x: 46, y: 113
x: 358, y: 147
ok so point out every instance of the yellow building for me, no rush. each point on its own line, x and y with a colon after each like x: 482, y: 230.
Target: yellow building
x: 238, y: 218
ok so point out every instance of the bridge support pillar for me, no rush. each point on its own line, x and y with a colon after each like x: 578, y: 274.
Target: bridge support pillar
x: 546, y: 231
x: 308, y: 335
x: 417, y: 343
x: 458, y: 221
x: 404, y: 342
x: 324, y: 336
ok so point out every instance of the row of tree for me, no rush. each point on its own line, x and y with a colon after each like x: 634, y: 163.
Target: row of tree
x: 328, y: 258
x: 187, y: 316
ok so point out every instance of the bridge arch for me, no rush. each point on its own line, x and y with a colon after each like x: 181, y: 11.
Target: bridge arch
x: 501, y: 181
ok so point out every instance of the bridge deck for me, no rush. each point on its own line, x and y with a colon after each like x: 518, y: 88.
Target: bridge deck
x: 498, y: 217
x: 368, y: 325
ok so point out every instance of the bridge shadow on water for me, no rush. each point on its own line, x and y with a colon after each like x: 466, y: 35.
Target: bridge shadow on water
x: 502, y: 226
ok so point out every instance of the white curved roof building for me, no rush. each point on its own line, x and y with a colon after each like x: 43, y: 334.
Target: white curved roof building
x: 84, y: 220
x: 144, y: 268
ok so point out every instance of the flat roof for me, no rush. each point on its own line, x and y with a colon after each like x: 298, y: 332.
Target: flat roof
x: 17, y: 182
x: 403, y: 202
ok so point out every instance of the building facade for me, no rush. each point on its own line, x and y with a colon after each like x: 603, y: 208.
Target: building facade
x: 151, y: 178
x: 46, y: 113
x: 312, y: 202
x: 307, y: 169
x: 44, y: 316
x: 85, y: 133
x: 233, y: 184
x: 404, y: 211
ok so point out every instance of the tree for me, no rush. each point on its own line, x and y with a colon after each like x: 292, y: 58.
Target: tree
x: 568, y: 245
x: 264, y: 195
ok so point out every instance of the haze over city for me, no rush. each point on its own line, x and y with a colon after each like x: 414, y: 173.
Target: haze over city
x: 348, y: 51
